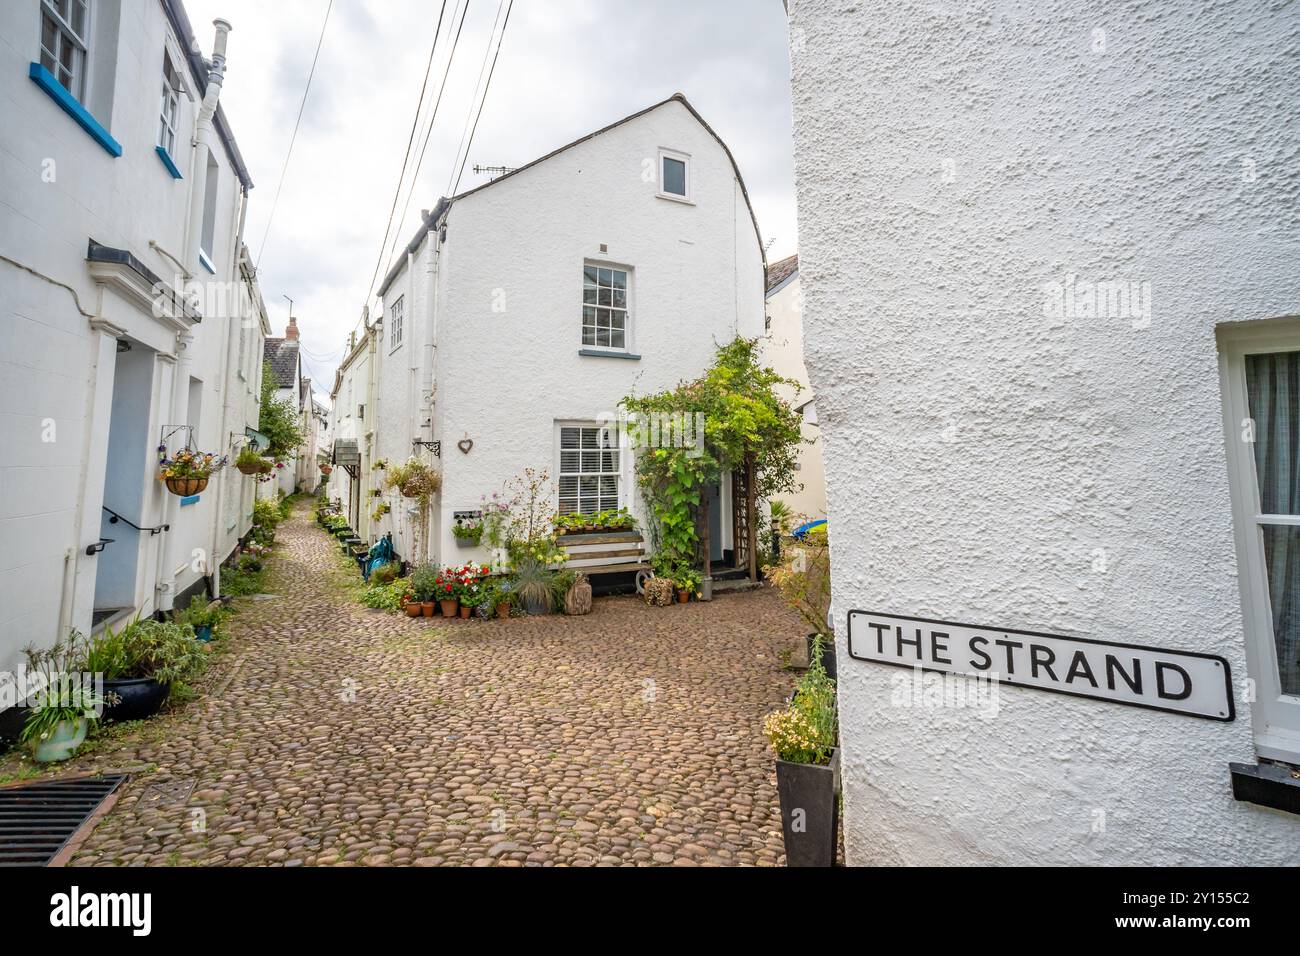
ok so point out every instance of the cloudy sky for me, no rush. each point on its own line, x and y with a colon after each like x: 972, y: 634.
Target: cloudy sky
x: 566, y: 68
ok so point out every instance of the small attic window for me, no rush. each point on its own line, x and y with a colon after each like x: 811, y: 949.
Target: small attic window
x: 674, y: 175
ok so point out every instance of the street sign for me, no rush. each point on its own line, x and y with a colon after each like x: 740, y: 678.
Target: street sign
x: 1182, y: 682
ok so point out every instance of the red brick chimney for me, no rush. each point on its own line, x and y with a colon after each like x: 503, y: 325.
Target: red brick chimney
x: 291, y: 330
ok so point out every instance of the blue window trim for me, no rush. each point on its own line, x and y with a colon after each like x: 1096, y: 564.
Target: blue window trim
x: 68, y: 103
x: 601, y: 353
x: 167, y: 161
x: 206, y: 262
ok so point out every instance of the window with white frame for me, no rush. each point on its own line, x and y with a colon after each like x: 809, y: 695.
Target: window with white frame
x: 169, y: 108
x: 397, y: 315
x: 674, y: 174
x: 209, y: 234
x: 63, y: 42
x: 1261, y: 388
x: 604, y: 306
x: 589, y: 469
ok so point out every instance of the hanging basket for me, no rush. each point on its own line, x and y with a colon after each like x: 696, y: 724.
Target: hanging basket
x: 265, y: 467
x: 185, y: 486
x: 249, y: 468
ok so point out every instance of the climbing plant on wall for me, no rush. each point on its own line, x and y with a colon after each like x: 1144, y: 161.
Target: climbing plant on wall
x: 747, y: 426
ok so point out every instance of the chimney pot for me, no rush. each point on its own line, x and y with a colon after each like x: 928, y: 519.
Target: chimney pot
x: 291, y: 330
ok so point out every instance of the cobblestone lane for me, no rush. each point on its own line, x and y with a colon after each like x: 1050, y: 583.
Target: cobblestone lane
x: 331, y: 734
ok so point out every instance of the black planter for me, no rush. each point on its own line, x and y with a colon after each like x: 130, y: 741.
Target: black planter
x: 810, y: 811
x: 11, y: 725
x: 141, y: 697
x: 828, y: 653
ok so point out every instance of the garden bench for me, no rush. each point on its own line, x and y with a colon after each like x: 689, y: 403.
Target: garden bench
x: 604, y: 552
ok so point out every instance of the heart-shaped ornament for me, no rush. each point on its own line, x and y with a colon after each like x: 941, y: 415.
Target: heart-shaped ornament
x: 465, y: 444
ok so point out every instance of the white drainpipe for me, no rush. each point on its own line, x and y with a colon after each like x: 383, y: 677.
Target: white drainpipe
x: 194, y: 237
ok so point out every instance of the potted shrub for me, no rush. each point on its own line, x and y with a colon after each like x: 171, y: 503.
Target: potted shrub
x: 143, y: 664
x: 187, y: 472
x: 65, y: 704
x: 468, y: 532
x: 687, y: 582
x: 533, y: 586
x: 803, y: 736
x: 505, y: 591
x: 803, y: 576
x: 203, y: 616
x: 412, y: 607
x: 424, y: 585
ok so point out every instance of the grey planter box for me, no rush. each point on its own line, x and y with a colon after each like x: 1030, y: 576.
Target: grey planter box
x: 810, y: 810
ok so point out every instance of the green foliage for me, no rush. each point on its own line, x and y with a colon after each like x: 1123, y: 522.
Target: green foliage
x: 200, y: 613
x: 533, y: 587
x: 468, y: 530
x: 611, y: 519
x: 163, y: 650
x: 278, y: 419
x: 415, y: 479
x: 424, y: 583
x: 807, y: 730
x: 240, y: 582
x: 561, y: 581
x: 804, y: 577
x: 386, y: 573
x: 61, y: 696
x: 387, y: 596
x: 747, y: 425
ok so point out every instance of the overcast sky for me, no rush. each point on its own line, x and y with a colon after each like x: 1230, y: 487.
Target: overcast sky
x: 567, y: 68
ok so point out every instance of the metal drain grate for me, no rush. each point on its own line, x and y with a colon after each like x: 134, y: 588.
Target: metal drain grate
x: 38, y: 819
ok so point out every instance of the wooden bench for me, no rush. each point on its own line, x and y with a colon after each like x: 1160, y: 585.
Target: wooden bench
x: 604, y: 552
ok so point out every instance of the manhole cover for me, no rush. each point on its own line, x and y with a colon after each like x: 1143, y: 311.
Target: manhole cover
x: 167, y: 794
x: 38, y: 819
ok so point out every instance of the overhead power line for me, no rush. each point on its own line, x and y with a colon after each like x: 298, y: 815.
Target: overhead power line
x: 469, y: 114
x: 294, y: 136
x: 415, y: 123
x: 502, y: 37
x: 415, y: 176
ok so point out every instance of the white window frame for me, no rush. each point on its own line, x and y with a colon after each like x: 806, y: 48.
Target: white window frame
x: 1275, y: 717
x: 170, y: 106
x: 626, y: 308
x: 64, y: 30
x: 605, y: 432
x: 685, y: 160
x: 396, y: 320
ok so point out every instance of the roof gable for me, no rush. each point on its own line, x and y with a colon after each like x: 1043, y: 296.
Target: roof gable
x: 434, y: 219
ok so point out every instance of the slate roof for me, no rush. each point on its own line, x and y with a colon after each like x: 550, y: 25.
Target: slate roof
x: 778, y: 272
x: 282, y: 354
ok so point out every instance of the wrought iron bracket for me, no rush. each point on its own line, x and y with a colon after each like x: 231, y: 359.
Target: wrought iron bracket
x: 433, y: 446
x: 98, y: 546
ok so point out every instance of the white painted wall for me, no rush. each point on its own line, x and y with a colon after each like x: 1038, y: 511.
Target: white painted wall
x: 979, y: 455
x: 783, y: 349
x: 58, y: 333
x: 504, y: 377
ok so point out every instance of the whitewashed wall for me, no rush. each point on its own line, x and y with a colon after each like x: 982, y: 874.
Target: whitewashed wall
x: 981, y: 456
x: 60, y: 189
x: 506, y: 375
x: 783, y: 350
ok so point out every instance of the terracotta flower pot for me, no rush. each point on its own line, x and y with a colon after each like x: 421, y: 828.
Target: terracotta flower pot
x: 184, y: 487
x: 503, y: 609
x: 683, y: 596
x: 466, y: 610
x: 449, y: 606
x: 427, y: 607
x: 414, y: 609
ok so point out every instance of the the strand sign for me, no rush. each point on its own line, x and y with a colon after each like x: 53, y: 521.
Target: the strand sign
x: 1183, y: 682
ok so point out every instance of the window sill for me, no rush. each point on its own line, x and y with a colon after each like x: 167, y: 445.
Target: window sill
x: 608, y: 353
x: 673, y: 197
x: 1266, y: 784
x: 68, y: 103
x: 167, y: 162
x: 206, y: 262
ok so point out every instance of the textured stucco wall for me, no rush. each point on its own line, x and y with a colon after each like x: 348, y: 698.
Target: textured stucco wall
x: 951, y: 159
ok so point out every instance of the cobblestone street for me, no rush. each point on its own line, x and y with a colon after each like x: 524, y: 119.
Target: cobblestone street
x: 331, y: 734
